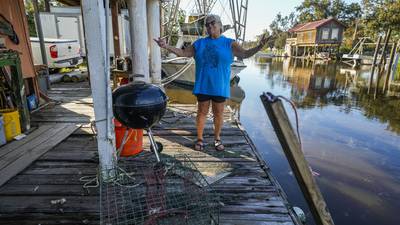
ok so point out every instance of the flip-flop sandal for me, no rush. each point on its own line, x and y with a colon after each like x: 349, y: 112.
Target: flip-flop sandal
x: 199, y: 145
x: 218, y: 145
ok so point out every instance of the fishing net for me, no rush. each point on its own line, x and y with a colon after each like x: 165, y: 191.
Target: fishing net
x: 144, y: 191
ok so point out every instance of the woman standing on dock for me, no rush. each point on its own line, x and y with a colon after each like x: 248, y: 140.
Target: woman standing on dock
x: 213, y: 55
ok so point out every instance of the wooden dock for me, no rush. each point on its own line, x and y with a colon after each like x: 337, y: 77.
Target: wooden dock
x: 49, y: 191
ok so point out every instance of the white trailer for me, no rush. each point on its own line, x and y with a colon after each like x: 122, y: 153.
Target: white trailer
x: 67, y: 23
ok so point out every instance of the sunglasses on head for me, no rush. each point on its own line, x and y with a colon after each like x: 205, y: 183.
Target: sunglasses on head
x: 210, y: 23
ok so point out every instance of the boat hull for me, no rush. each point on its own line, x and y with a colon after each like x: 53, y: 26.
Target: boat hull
x: 188, y: 77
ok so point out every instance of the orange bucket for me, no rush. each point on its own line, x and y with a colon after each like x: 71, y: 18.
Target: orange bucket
x: 134, y: 139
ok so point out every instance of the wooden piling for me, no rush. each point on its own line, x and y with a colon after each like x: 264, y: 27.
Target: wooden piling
x: 93, y: 13
x: 292, y: 149
x: 39, y: 31
x: 395, y: 64
x: 139, y: 40
x: 371, y: 77
x: 315, y: 52
x: 389, y: 70
x: 381, y: 65
x: 153, y: 22
x: 115, y: 28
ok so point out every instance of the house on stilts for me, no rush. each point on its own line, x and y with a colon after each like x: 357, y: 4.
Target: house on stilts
x: 317, y: 39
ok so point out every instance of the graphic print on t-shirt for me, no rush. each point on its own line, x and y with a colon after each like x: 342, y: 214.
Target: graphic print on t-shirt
x: 210, y: 55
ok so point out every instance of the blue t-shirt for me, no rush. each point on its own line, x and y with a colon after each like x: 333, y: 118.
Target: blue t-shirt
x: 213, y: 66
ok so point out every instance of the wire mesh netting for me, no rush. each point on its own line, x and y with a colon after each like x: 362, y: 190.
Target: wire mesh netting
x: 146, y: 192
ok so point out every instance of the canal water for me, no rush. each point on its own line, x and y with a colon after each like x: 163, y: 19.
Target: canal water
x: 350, y: 139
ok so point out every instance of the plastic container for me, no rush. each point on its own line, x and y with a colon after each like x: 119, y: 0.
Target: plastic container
x: 3, y: 140
x: 12, y: 125
x: 134, y: 140
x: 44, y: 83
x: 32, y: 102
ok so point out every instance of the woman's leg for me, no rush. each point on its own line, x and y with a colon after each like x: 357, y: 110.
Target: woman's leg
x: 218, y: 111
x: 202, y: 111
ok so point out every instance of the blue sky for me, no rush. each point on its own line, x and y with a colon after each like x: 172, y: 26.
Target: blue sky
x: 260, y: 12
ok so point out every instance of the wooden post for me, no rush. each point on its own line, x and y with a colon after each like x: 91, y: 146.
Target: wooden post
x: 93, y: 13
x: 389, y: 70
x: 162, y: 14
x: 315, y: 52
x: 353, y: 40
x: 46, y: 6
x: 39, y: 31
x: 153, y: 19
x: 292, y: 149
x: 395, y: 64
x: 371, y: 77
x: 114, y: 20
x: 381, y: 65
x: 139, y: 40
x: 337, y: 50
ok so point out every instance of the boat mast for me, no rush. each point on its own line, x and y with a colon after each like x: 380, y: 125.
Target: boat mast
x: 204, y: 7
x: 170, y: 8
x: 239, y: 17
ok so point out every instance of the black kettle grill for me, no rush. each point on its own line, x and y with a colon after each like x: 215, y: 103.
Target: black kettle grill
x: 140, y: 105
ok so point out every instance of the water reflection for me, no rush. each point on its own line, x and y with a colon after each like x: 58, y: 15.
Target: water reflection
x: 349, y: 137
x: 321, y: 85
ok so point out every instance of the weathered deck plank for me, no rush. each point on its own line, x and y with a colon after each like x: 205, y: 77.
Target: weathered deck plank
x: 20, y: 155
x: 249, y: 193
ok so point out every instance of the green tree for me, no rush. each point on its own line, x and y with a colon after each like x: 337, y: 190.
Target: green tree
x: 380, y: 15
x: 173, y: 30
x: 30, y: 14
x: 279, y: 29
x: 311, y: 10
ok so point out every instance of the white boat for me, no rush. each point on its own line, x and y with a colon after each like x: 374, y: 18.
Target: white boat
x: 171, y: 69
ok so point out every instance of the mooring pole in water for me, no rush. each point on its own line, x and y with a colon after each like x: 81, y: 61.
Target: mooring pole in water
x: 395, y: 64
x: 389, y: 70
x: 371, y: 77
x: 382, y: 61
x: 292, y: 149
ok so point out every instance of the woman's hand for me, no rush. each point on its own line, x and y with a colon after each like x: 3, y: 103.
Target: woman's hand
x: 264, y: 39
x: 161, y: 42
x: 187, y: 52
x: 243, y: 53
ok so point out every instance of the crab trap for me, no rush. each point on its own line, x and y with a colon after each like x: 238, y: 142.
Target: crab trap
x: 149, y: 192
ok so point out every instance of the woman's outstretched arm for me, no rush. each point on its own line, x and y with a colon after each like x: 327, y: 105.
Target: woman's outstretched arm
x: 242, y: 53
x: 187, y: 52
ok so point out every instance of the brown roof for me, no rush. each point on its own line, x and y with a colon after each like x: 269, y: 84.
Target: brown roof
x: 312, y: 25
